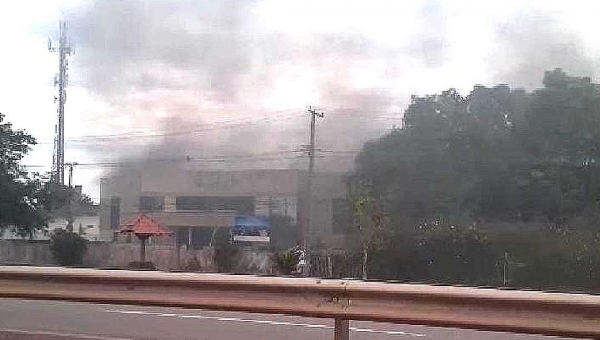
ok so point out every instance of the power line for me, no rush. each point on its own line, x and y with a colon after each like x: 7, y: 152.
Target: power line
x: 208, y: 127
x: 267, y: 156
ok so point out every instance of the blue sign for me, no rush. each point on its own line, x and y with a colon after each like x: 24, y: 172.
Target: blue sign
x: 251, y: 229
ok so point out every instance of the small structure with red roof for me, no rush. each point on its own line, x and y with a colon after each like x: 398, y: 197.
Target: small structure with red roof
x: 143, y: 227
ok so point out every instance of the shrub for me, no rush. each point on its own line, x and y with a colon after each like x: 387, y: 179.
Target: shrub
x: 226, y: 254
x: 192, y: 265
x: 67, y: 248
x: 286, y: 263
x: 148, y: 265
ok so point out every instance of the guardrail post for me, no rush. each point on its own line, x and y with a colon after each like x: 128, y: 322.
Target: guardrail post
x: 342, y: 329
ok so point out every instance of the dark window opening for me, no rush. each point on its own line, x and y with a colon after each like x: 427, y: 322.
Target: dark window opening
x: 115, y: 212
x: 152, y: 203
x: 194, y: 237
x: 241, y: 205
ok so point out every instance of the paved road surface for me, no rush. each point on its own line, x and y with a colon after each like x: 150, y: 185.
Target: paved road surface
x: 51, y: 320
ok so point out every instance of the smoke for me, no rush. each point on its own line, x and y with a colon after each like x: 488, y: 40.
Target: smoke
x: 211, y: 84
x: 134, y: 45
x: 430, y: 41
x: 531, y: 43
x: 177, y: 66
x: 206, y: 71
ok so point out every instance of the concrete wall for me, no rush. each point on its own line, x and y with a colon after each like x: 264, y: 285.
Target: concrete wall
x: 164, y: 257
x: 25, y: 252
x: 119, y: 255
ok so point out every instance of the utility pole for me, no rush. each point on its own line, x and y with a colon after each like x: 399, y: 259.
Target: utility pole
x: 61, y: 80
x: 505, y: 269
x: 72, y: 197
x: 71, y: 166
x: 305, y: 227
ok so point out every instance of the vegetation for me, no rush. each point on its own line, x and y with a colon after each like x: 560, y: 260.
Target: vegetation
x: 24, y: 201
x: 468, y: 179
x: 286, y: 262
x: 139, y: 265
x: 28, y: 201
x: 192, y: 265
x: 226, y: 254
x: 68, y: 248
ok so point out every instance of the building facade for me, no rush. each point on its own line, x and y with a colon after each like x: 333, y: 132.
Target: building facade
x: 195, y: 203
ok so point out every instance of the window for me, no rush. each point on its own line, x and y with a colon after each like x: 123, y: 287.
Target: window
x: 196, y: 238
x: 115, y: 212
x: 192, y: 203
x: 152, y: 203
x: 241, y: 205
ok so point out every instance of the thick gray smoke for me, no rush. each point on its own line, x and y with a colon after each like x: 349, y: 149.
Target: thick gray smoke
x: 174, y: 66
x: 139, y: 45
x: 532, y: 43
x: 430, y: 44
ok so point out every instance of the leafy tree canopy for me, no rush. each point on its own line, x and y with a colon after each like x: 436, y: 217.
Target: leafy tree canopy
x: 497, y: 154
x: 22, y: 198
x: 499, y: 185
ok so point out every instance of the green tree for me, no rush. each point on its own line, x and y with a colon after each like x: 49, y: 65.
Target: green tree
x: 496, y: 154
x: 368, y: 221
x: 23, y: 200
x: 498, y: 160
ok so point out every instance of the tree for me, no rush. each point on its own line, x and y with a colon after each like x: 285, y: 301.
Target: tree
x: 67, y: 202
x: 496, y: 154
x: 368, y: 220
x: 497, y: 160
x: 23, y: 200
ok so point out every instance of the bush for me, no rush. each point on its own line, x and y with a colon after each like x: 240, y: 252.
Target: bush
x: 226, y: 254
x: 67, y: 248
x: 286, y: 263
x: 148, y: 265
x: 192, y: 265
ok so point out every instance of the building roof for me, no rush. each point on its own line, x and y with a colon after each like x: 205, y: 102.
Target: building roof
x: 143, y: 225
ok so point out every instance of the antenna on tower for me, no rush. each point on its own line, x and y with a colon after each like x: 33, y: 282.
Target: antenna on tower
x: 61, y: 79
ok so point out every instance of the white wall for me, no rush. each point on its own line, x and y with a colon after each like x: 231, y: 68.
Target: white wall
x: 90, y: 228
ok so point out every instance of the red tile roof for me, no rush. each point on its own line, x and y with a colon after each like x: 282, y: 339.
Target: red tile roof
x: 143, y: 225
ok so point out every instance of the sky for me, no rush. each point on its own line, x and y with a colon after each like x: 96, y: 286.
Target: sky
x: 226, y: 83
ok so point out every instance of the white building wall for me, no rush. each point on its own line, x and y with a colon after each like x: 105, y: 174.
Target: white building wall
x: 87, y: 226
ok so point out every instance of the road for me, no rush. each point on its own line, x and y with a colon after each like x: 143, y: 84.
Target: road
x: 53, y: 320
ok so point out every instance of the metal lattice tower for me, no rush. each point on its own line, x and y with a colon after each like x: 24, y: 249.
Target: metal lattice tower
x: 61, y: 79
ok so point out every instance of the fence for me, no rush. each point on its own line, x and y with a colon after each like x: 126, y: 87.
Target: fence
x: 119, y: 255
x: 558, y: 314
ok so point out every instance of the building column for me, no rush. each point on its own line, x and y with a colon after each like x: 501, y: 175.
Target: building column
x: 170, y: 204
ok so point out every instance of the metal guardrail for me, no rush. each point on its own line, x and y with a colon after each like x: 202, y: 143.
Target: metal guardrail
x: 559, y: 314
